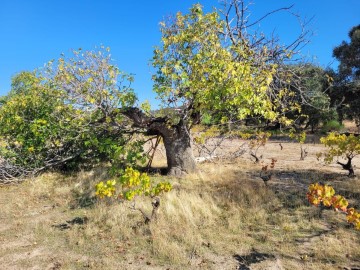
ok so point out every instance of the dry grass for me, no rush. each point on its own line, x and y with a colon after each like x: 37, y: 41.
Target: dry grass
x: 221, y: 218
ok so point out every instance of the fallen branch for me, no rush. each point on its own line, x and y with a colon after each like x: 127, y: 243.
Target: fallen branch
x: 10, y: 173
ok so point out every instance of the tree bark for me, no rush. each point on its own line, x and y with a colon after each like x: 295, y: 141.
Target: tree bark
x: 177, y: 140
x: 179, y: 154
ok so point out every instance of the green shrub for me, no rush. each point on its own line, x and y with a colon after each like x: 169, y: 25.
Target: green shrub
x: 332, y: 125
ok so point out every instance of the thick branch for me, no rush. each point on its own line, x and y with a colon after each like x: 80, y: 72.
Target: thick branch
x: 152, y: 125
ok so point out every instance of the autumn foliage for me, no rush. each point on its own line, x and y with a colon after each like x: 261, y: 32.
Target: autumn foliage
x: 130, y: 184
x: 323, y: 194
x: 340, y: 145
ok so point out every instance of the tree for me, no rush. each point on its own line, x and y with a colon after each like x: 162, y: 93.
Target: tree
x: 61, y: 116
x: 346, y: 91
x: 208, y: 64
x: 348, y: 56
x: 197, y: 73
x: 314, y: 83
x: 302, y: 88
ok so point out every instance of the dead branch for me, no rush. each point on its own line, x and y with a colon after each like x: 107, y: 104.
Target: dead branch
x: 153, y: 149
x: 10, y: 173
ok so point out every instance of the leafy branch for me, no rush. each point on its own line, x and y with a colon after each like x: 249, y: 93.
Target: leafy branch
x: 319, y: 194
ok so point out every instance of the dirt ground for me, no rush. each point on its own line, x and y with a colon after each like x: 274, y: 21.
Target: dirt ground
x: 224, y: 217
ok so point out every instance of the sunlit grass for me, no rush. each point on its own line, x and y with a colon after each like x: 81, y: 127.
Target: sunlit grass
x: 205, y: 222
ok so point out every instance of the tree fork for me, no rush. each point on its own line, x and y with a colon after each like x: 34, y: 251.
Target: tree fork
x: 177, y: 140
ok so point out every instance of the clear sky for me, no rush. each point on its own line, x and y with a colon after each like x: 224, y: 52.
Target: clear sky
x: 33, y: 32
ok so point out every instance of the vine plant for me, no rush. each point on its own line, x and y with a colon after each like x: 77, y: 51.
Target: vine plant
x: 131, y: 184
x: 300, y: 137
x: 341, y: 145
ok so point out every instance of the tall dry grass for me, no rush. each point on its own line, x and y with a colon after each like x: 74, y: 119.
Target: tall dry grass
x: 223, y: 217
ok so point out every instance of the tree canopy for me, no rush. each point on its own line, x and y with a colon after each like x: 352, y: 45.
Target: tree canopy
x: 348, y: 55
x: 346, y: 90
x: 199, y: 69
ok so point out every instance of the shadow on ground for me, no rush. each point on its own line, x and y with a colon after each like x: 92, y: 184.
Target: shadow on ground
x: 69, y: 223
x: 253, y: 257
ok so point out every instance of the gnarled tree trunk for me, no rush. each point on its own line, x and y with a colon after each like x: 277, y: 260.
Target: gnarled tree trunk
x: 177, y: 140
x: 179, y: 154
x: 348, y: 166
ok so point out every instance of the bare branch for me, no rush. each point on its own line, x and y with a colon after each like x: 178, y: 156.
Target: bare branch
x: 268, y: 14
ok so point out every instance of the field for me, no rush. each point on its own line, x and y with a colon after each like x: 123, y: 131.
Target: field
x: 223, y: 217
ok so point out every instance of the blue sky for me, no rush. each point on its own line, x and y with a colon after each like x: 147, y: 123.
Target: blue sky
x: 34, y: 32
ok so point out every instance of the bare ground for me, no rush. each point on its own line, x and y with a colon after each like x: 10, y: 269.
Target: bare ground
x: 224, y: 217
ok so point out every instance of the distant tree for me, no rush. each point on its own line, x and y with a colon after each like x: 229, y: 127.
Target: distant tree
x: 310, y: 85
x: 348, y: 55
x: 346, y: 90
